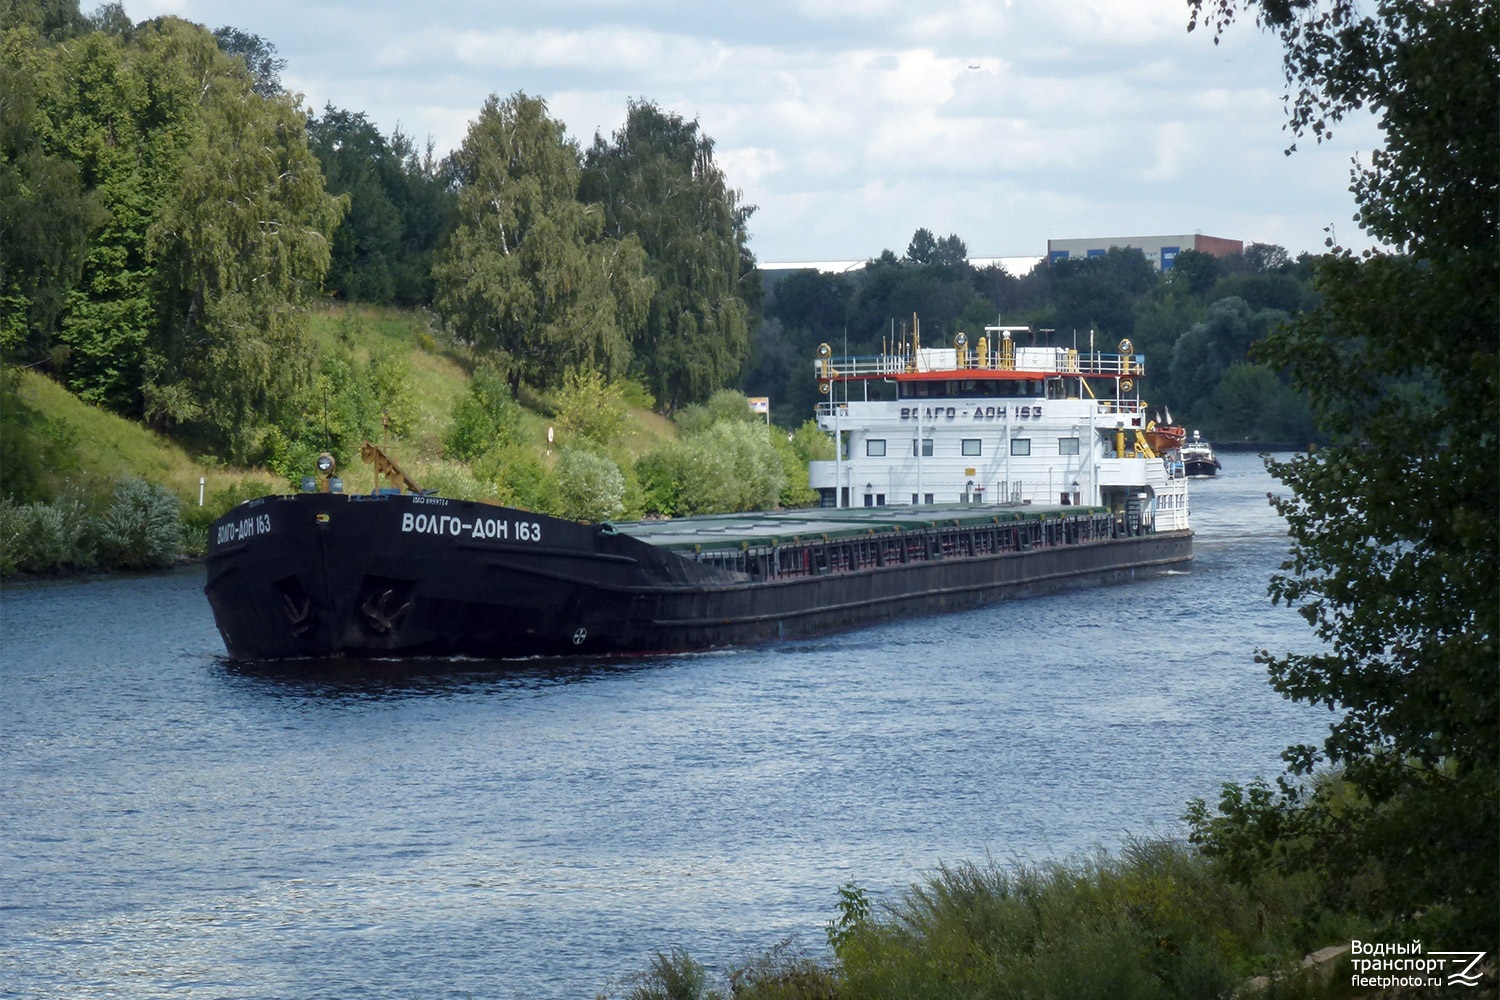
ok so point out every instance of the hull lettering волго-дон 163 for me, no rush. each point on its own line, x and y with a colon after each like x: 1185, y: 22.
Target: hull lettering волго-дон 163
x: 1041, y: 469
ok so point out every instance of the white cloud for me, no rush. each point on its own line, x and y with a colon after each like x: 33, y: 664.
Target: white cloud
x: 850, y: 124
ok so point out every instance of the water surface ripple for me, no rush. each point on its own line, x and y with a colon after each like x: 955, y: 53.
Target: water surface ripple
x: 176, y: 825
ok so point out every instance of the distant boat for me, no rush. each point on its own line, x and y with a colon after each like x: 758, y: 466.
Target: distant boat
x: 1198, y: 458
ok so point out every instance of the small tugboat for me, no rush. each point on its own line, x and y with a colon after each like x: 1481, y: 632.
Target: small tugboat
x: 964, y: 475
x: 1198, y: 458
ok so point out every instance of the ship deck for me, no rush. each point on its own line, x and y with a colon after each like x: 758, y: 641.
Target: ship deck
x: 736, y: 531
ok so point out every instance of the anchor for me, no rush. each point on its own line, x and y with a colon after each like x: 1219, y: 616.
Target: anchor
x: 378, y: 613
x: 300, y: 615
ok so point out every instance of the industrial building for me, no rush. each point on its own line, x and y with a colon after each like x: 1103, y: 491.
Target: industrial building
x: 1161, y: 251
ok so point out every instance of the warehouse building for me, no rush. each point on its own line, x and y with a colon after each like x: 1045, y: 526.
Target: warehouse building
x: 1161, y: 251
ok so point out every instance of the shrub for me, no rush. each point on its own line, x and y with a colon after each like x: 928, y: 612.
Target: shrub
x: 674, y: 977
x: 589, y: 486
x: 456, y: 482
x: 486, y: 418
x: 724, y: 405
x: 47, y: 538
x: 1158, y: 920
x: 732, y: 466
x: 391, y: 386
x: 590, y: 408
x: 141, y: 528
x: 517, y: 476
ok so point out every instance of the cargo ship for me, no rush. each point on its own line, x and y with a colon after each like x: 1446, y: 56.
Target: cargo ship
x: 963, y: 475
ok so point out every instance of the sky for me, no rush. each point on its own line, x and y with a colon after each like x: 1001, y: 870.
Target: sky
x: 850, y: 124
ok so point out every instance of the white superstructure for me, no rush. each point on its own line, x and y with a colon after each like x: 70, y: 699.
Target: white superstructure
x: 997, y: 422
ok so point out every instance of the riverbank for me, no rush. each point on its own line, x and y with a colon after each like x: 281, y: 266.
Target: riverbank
x: 1155, y: 919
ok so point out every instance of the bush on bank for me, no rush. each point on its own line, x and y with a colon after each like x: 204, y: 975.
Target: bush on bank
x: 1158, y: 920
x: 131, y: 524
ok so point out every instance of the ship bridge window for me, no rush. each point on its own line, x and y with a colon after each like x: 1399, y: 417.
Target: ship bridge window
x: 1020, y: 446
x: 1067, y: 446
x: 875, y: 448
x: 926, y: 448
x: 971, y: 446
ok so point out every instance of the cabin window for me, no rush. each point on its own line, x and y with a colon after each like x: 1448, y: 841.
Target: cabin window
x: 971, y: 446
x: 875, y: 448
x: 1067, y: 446
x: 1020, y: 446
x: 926, y: 449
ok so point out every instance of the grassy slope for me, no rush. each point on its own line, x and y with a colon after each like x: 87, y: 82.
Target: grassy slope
x: 111, y: 447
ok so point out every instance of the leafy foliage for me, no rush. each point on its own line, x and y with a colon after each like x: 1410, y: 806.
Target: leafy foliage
x: 527, y: 271
x: 46, y: 215
x: 1396, y: 525
x: 590, y: 486
x: 488, y: 417
x: 730, y: 466
x: 46, y: 536
x: 141, y: 528
x: 400, y: 209
x: 245, y: 244
x: 164, y: 223
x: 658, y: 183
x: 590, y: 409
x: 259, y: 55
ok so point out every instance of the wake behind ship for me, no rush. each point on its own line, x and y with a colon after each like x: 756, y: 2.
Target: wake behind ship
x: 1027, y: 469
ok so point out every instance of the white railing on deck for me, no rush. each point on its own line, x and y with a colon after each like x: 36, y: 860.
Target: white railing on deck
x: 1030, y: 360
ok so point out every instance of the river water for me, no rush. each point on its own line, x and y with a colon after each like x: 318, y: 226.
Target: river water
x: 174, y: 825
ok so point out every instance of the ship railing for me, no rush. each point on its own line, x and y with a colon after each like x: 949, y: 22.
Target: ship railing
x: 964, y: 541
x: 1109, y: 407
x: 1031, y: 361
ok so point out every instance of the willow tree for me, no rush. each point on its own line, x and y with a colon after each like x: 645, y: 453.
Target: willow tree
x: 176, y: 221
x: 528, y: 271
x: 658, y: 182
x: 1395, y: 526
x: 239, y: 248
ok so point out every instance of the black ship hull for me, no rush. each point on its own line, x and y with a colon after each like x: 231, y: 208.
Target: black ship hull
x: 318, y: 574
x: 1199, y: 468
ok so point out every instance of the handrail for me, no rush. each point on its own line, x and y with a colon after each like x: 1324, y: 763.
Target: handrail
x: 1028, y: 361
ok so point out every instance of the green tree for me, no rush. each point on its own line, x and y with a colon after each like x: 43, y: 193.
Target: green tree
x: 47, y: 217
x: 527, y: 271
x: 1249, y: 403
x: 731, y: 466
x: 1196, y: 270
x: 400, y: 209
x: 1395, y: 526
x: 356, y: 161
x: 1098, y: 293
x: 98, y: 121
x: 589, y: 486
x: 589, y: 408
x: 923, y: 247
x: 1202, y: 354
x: 259, y: 56
x: 238, y: 251
x: 487, y: 417
x: 658, y: 183
x: 53, y: 20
